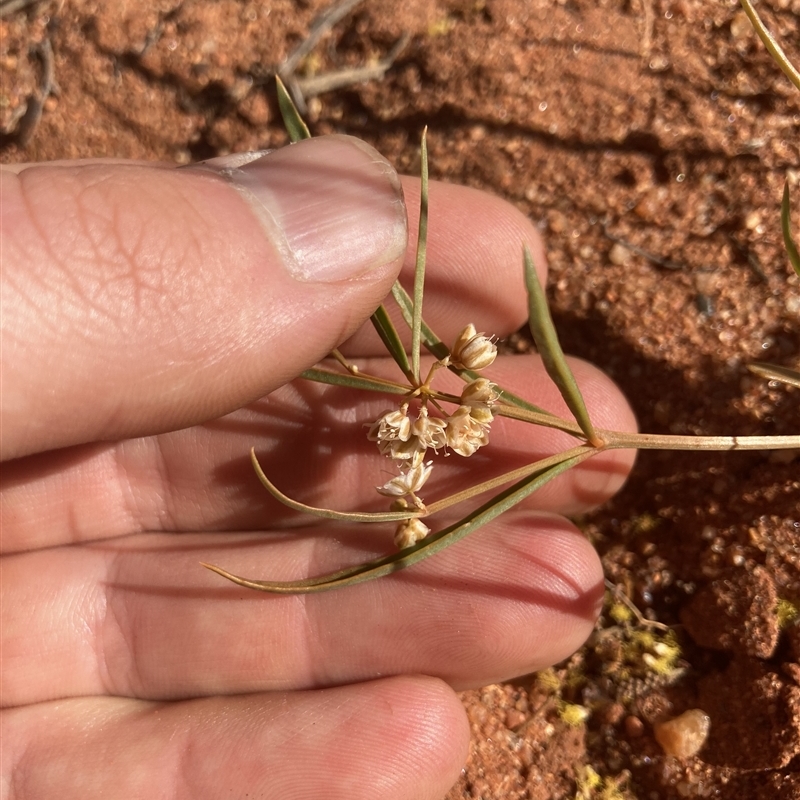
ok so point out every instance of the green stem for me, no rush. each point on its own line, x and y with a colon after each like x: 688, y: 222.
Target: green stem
x: 649, y: 441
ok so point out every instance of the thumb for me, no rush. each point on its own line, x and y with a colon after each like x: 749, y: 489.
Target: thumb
x: 138, y: 298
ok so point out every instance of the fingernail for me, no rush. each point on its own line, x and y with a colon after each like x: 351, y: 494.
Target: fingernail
x: 332, y: 205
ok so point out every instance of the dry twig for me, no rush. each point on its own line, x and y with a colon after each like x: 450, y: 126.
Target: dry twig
x: 24, y: 124
x: 10, y: 6
x: 302, y: 88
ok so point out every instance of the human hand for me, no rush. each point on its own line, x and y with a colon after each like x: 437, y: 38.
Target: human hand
x: 151, y: 318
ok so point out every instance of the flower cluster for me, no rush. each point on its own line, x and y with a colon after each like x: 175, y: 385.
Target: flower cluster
x: 406, y: 439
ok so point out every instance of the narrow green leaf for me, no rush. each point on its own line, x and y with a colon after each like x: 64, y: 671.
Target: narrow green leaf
x: 295, y: 127
x: 328, y: 513
x: 500, y: 480
x: 367, y: 382
x: 339, y: 357
x: 786, y: 226
x: 424, y: 549
x: 439, y: 350
x: 547, y: 419
x: 771, y: 44
x: 429, y: 338
x: 419, y: 271
x: 772, y: 372
x: 546, y: 338
x: 391, y: 339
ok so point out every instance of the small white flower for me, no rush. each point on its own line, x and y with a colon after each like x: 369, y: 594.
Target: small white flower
x: 473, y: 350
x: 408, y: 482
x: 430, y: 431
x: 409, y: 532
x: 465, y: 433
x: 402, y: 439
x: 391, y: 429
x: 390, y: 425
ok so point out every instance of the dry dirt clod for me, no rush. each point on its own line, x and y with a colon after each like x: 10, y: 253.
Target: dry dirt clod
x: 737, y: 613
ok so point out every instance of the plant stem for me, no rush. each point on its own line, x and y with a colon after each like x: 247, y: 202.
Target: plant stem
x: 650, y: 441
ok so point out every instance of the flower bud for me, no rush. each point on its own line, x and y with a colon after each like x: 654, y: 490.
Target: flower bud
x: 409, y: 532
x: 479, y: 392
x: 390, y: 426
x: 482, y: 415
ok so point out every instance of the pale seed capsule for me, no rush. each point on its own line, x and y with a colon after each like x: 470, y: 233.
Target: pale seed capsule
x: 479, y: 392
x: 466, y: 334
x: 473, y: 350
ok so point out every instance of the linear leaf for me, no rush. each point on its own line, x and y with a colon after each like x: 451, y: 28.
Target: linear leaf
x: 534, y: 418
x: 391, y: 339
x: 500, y: 480
x: 328, y: 513
x: 424, y: 549
x: 546, y: 338
x: 419, y: 270
x: 786, y: 227
x: 367, y: 382
x: 772, y: 372
x: 295, y: 127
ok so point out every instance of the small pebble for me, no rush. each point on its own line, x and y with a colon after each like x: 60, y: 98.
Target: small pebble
x: 619, y: 255
x: 557, y: 221
x: 741, y: 25
x: 514, y: 719
x: 753, y: 219
x: 683, y: 736
x: 634, y: 727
